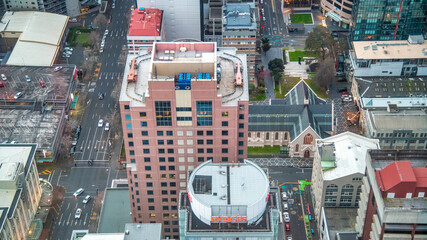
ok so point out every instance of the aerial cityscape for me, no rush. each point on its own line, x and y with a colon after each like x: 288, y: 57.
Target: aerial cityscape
x: 213, y: 120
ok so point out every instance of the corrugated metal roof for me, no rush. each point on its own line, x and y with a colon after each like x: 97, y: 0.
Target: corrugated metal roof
x: 395, y: 173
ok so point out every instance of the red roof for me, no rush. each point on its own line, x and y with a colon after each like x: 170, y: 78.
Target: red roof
x: 395, y: 173
x: 421, y: 175
x: 146, y: 22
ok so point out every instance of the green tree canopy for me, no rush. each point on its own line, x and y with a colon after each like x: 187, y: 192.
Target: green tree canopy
x: 320, y: 40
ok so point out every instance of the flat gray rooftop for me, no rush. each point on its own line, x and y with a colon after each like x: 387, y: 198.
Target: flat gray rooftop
x: 146, y: 231
x: 238, y: 15
x: 57, y: 83
x: 115, y: 212
x: 341, y: 219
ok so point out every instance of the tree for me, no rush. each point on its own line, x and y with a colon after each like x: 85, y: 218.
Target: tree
x: 94, y: 38
x: 325, y: 74
x: 265, y: 44
x: 100, y: 21
x: 276, y: 65
x: 320, y: 40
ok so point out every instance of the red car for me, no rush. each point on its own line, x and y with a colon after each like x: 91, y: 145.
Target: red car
x: 42, y: 84
x: 288, y: 227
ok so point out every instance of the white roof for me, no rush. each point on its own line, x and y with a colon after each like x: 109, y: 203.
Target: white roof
x: 40, y: 38
x: 104, y: 236
x: 350, y: 154
x: 399, y: 49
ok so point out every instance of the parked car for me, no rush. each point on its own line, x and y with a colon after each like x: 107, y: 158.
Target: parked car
x: 87, y: 199
x: 42, y: 84
x: 72, y: 20
x: 74, y: 143
x: 284, y: 196
x: 27, y: 78
x: 78, y: 192
x: 288, y: 227
x: 78, y: 213
x: 101, y: 50
x: 347, y: 99
x: 73, y: 150
x: 312, y: 231
x: 286, y: 217
x: 100, y: 123
x: 285, y: 206
x: 1, y: 84
x: 113, y: 6
x: 68, y: 49
x: 107, y: 127
x: 289, y: 238
x: 3, y: 77
x: 18, y: 95
x: 56, y: 69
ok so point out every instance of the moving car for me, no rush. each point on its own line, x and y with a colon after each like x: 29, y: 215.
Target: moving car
x: 27, y: 78
x: 18, y: 95
x: 72, y: 150
x: 286, y: 217
x: 100, y: 123
x: 100, y: 96
x: 87, y: 199
x: 107, y: 127
x: 3, y: 77
x: 56, y: 69
x: 78, y: 192
x: 42, y: 84
x: 78, y: 213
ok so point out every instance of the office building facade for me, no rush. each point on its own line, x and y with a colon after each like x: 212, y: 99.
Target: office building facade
x: 180, y: 106
x: 388, y: 19
x: 339, y: 11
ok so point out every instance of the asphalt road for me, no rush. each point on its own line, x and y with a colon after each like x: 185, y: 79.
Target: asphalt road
x: 93, y: 142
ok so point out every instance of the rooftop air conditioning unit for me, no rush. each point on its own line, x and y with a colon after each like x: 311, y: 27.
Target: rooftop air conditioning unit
x: 222, y: 172
x: 224, y: 197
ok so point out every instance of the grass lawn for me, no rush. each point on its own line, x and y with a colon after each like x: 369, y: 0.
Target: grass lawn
x: 257, y: 97
x: 319, y: 91
x: 286, y: 84
x: 302, y: 18
x: 293, y: 56
x: 265, y: 149
x: 82, y: 38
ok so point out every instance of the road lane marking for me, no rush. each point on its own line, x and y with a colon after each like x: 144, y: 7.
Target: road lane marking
x: 57, y: 183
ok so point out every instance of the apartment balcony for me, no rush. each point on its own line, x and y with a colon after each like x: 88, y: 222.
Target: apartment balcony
x: 399, y: 236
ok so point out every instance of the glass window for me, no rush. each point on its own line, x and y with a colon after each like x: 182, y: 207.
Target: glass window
x: 161, y: 150
x: 126, y: 107
x: 241, y: 125
x: 132, y: 160
x: 162, y: 159
x: 200, y: 159
x: 169, y: 133
x: 147, y: 159
x: 143, y: 124
x: 129, y: 126
x: 240, y: 152
x: 242, y: 116
x: 241, y: 134
x: 224, y: 123
x: 130, y: 144
x: 147, y: 168
x: 146, y: 150
x: 144, y: 133
x: 200, y: 141
x: 130, y: 135
x: 161, y: 142
x: 209, y: 133
x: 170, y: 142
x: 209, y: 141
x: 240, y: 143
x: 225, y: 150
x: 225, y: 159
x: 225, y: 114
x: 209, y: 150
x: 204, y: 113
x: 199, y: 133
x: 224, y: 141
x: 144, y: 142
x: 200, y: 150
x: 127, y: 116
x: 132, y: 152
x: 163, y: 113
x: 224, y: 133
x: 142, y: 114
x: 171, y: 159
x: 170, y: 150
x: 241, y: 107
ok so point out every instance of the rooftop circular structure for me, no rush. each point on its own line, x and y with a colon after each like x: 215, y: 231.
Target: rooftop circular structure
x: 221, y: 193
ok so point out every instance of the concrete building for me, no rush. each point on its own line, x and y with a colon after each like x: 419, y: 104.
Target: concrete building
x: 55, y: 6
x: 146, y: 26
x: 180, y: 107
x: 295, y: 122
x: 229, y: 201
x: 393, y: 203
x: 19, y: 190
x: 35, y: 37
x: 240, y: 31
x: 115, y: 212
x: 39, y: 115
x: 337, y: 224
x: 182, y: 18
x: 338, y: 169
x: 132, y: 231
x: 339, y: 11
x: 393, y: 110
x: 389, y: 58
x: 388, y: 19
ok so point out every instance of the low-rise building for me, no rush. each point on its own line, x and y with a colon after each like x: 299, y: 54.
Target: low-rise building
x: 393, y: 110
x: 338, y: 169
x: 393, y: 203
x: 232, y: 200
x: 337, y: 224
x: 35, y: 104
x: 295, y: 122
x: 146, y: 27
x: 240, y: 31
x: 389, y: 58
x: 20, y: 190
x: 35, y: 37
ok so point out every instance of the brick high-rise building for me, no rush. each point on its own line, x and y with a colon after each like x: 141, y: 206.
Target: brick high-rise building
x: 181, y: 104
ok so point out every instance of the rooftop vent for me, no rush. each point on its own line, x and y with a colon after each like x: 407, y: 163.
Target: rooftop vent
x: 224, y: 197
x: 222, y: 172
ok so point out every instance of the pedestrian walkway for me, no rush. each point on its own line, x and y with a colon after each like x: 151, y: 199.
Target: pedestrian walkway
x: 293, y: 69
x: 283, y: 162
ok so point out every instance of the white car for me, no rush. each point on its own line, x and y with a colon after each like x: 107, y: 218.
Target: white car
x: 286, y: 217
x: 106, y: 32
x: 102, y: 44
x: 284, y: 196
x: 107, y: 127
x: 285, y: 206
x: 68, y: 49
x: 347, y: 99
x: 100, y: 123
x: 27, y: 78
x: 78, y: 192
x: 101, y: 50
x: 3, y: 77
x: 18, y: 95
x: 78, y: 213
x: 87, y: 199
x: 56, y: 69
